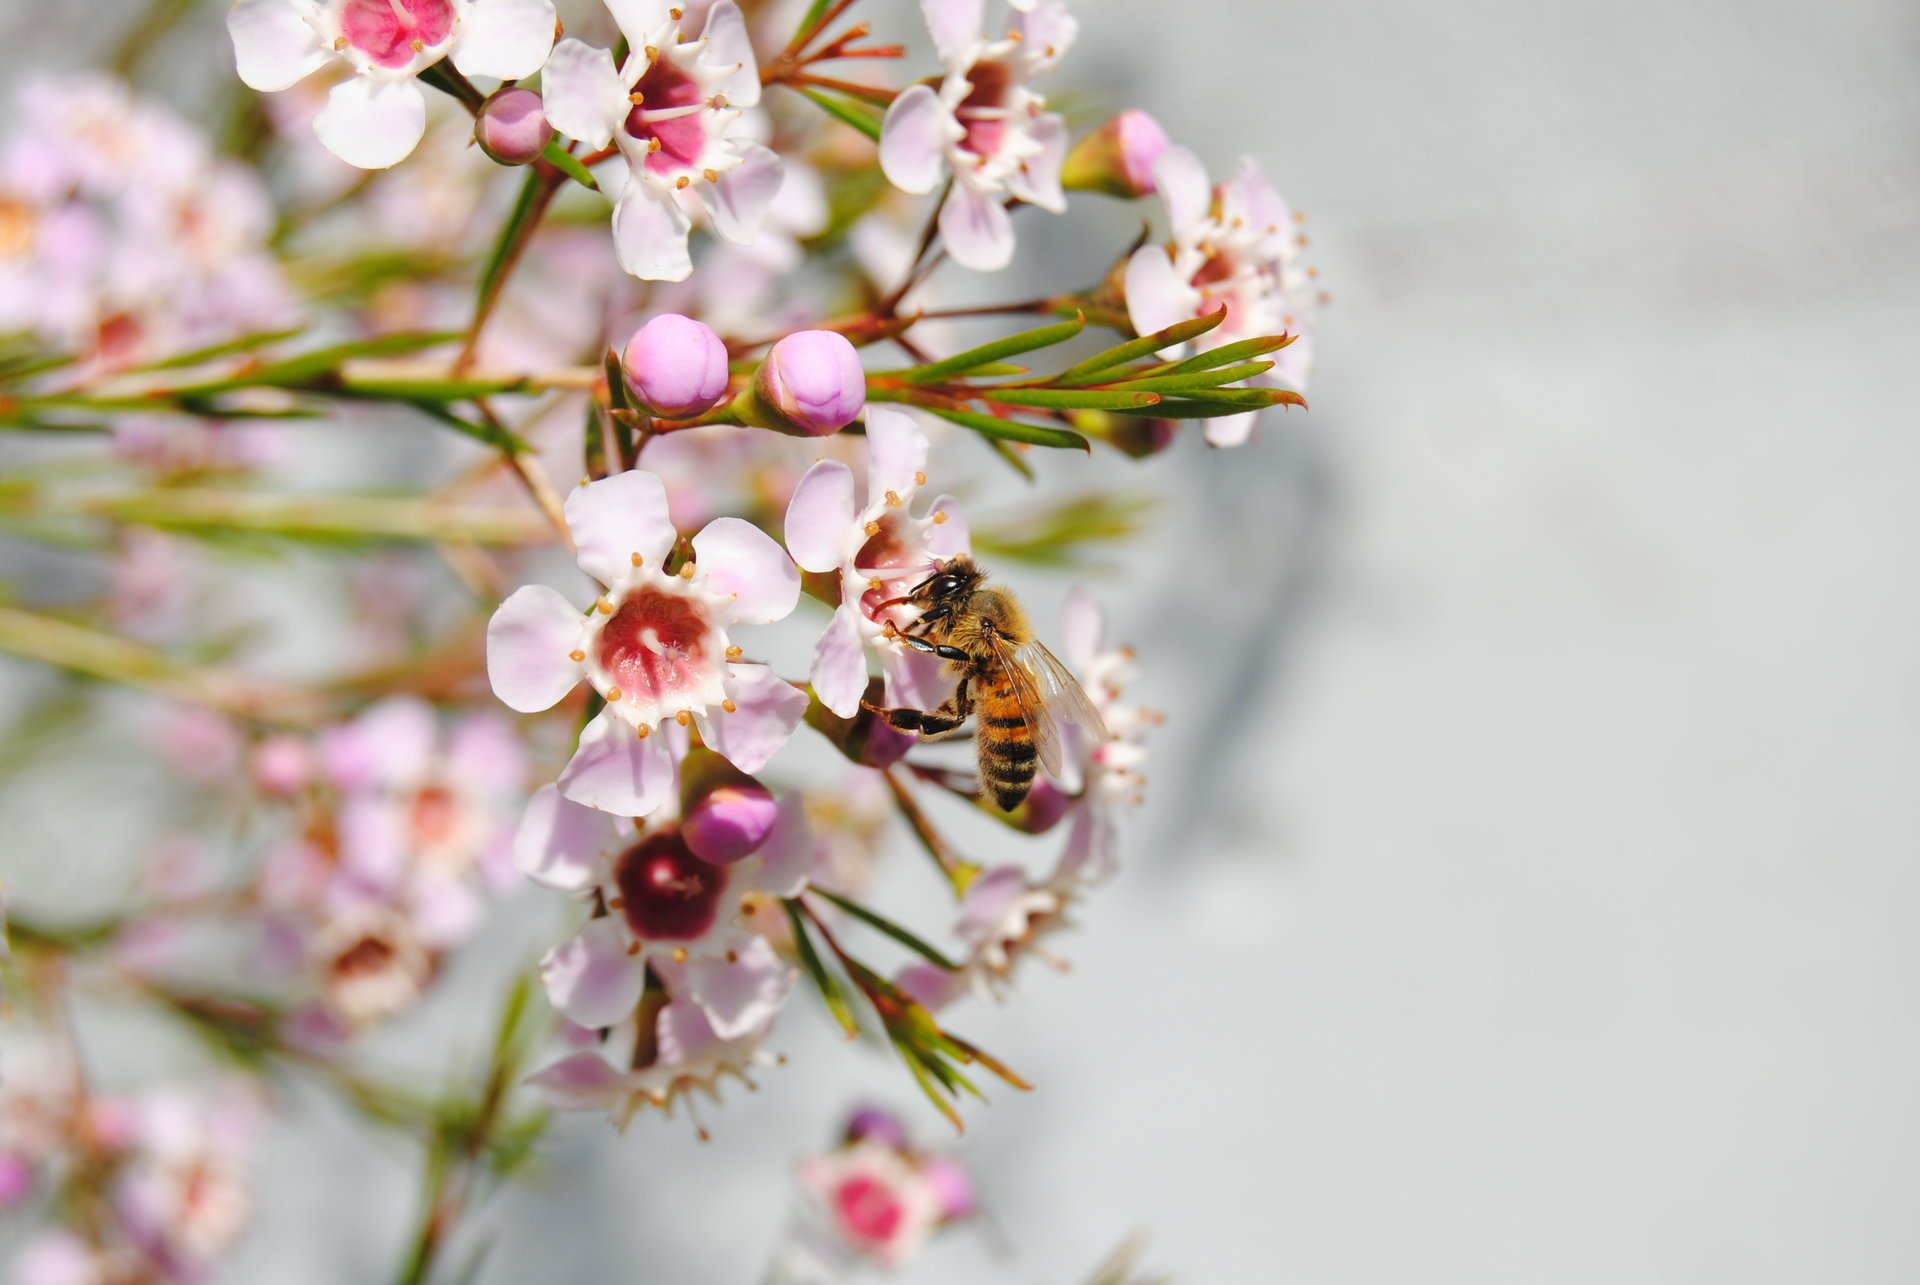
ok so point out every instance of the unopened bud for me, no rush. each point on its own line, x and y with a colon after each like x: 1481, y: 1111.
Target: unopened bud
x: 726, y: 814
x: 282, y: 764
x: 512, y: 128
x: 873, y: 1124
x: 812, y: 384
x: 950, y: 1184
x: 676, y: 367
x: 1117, y: 158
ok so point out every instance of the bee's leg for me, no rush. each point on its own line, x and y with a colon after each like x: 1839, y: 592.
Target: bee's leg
x: 932, y: 724
x: 942, y: 650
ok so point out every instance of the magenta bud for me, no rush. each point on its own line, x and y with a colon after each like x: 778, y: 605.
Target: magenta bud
x: 676, y: 367
x: 951, y: 1184
x: 872, y: 1124
x: 729, y: 822
x: 1118, y: 157
x: 512, y: 128
x: 282, y: 764
x: 812, y: 383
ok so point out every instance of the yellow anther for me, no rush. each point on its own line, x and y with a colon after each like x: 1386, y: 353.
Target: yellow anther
x: 676, y: 14
x: 873, y: 529
x: 729, y: 706
x: 653, y: 144
x: 717, y: 101
x: 645, y: 731
x: 940, y: 517
x: 633, y: 948
x: 652, y: 52
x: 616, y: 903
x: 679, y: 954
x: 683, y: 717
x: 681, y: 183
x: 604, y: 607
x: 733, y: 957
x: 339, y: 43
x: 711, y: 175
x: 636, y: 98
x: 638, y: 561
x: 613, y: 694
x: 417, y: 45
x: 876, y: 584
x: 734, y: 653
x: 576, y: 655
x: 893, y: 500
x: 686, y: 571
x: 920, y: 478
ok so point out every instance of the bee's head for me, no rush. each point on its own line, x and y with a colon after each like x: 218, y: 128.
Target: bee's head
x: 950, y: 585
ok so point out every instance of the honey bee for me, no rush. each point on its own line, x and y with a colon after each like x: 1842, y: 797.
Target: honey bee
x: 1024, y: 696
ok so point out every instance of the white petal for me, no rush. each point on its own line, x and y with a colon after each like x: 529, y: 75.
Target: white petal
x: 1231, y: 430
x: 976, y: 229
x: 1182, y: 182
x: 944, y: 540
x: 528, y: 641
x: 735, y: 557
x: 579, y: 1081
x: 840, y: 663
x: 274, y: 46
x: 791, y: 851
x: 914, y: 138
x: 616, y: 517
x: 741, y: 197
x: 1156, y: 296
x: 955, y: 24
x: 820, y: 530
x: 615, y: 771
x: 372, y: 123
x: 741, y: 995
x: 896, y: 454
x: 727, y: 43
x: 650, y: 233
x: 640, y: 19
x: 560, y: 844
x: 396, y: 738
x: 592, y: 979
x: 505, y: 39
x: 582, y: 93
x: 766, y: 710
x: 1038, y: 182
x: 1083, y: 627
x: 1047, y: 30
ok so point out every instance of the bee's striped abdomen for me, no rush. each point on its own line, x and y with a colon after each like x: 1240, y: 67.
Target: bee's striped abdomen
x: 1008, y: 757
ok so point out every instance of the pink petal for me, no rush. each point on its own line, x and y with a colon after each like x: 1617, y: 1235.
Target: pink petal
x: 616, y: 771
x: 372, y: 841
x: 505, y: 39
x: 955, y: 25
x: 1038, y: 182
x: 739, y: 200
x: 650, y: 233
x: 738, y: 996
x: 915, y: 680
x: 727, y: 42
x: 685, y: 1033
x: 914, y: 138
x: 1182, y: 182
x: 273, y: 46
x: 790, y: 853
x: 484, y: 754
x: 766, y: 710
x: 592, y: 979
x: 561, y: 844
x: 1083, y: 627
x: 950, y: 538
x: 1231, y: 430
x: 617, y: 517
x: 581, y: 93
x: 989, y: 897
x: 1092, y: 850
x: 733, y: 556
x: 896, y: 453
x: 1047, y: 30
x: 579, y: 1081
x: 820, y: 516
x: 1156, y: 296
x: 934, y: 987
x: 839, y: 672
x: 372, y: 123
x: 1252, y: 197
x: 977, y: 229
x: 390, y: 743
x: 528, y: 644
x: 444, y: 909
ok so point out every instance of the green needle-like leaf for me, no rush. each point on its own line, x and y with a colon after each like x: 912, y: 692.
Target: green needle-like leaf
x: 1000, y: 349
x: 1073, y: 398
x: 1145, y: 346
x: 816, y: 969
x: 1227, y: 354
x: 891, y: 929
x: 1012, y: 430
x: 1203, y: 379
x: 845, y: 111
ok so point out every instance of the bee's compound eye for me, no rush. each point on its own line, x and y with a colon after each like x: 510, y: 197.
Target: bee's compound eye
x: 945, y: 585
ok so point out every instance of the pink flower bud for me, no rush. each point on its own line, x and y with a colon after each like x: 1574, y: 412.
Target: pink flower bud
x: 876, y: 1125
x: 512, y: 127
x: 676, y: 367
x: 729, y: 822
x: 282, y: 764
x: 951, y: 1184
x: 1118, y: 157
x: 813, y: 383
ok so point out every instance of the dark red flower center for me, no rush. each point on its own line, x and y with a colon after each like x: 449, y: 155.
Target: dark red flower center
x: 869, y: 1209
x: 385, y: 30
x: 365, y: 957
x: 666, y: 892
x: 655, y: 644
x: 666, y: 92
x: 983, y: 110
x: 435, y: 815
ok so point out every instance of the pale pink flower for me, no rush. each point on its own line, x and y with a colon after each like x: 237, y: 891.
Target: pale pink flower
x: 1237, y: 246
x: 1003, y: 917
x: 185, y: 1193
x: 654, y: 646
x: 376, y: 117
x: 691, y: 921
x: 672, y: 109
x: 372, y: 964
x: 873, y: 1200
x: 1112, y: 773
x: 984, y: 124
x: 879, y: 549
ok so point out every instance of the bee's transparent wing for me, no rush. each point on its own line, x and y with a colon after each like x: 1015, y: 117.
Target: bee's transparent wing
x: 1061, y: 703
x: 1032, y: 702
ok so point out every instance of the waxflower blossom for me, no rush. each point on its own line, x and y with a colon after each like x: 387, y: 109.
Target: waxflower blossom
x: 878, y: 549
x: 375, y: 118
x: 1112, y: 777
x: 655, y: 646
x: 673, y: 110
x: 690, y: 920
x: 872, y: 1200
x: 1003, y: 917
x: 1237, y: 246
x: 984, y: 124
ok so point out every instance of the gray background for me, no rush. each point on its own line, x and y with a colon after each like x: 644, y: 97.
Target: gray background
x: 1528, y: 888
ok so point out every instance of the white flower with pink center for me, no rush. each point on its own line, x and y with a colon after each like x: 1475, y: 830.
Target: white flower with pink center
x: 375, y: 118
x: 1112, y: 773
x: 1002, y: 919
x: 653, y: 1058
x: 185, y: 1193
x: 692, y: 921
x: 984, y: 124
x: 674, y: 111
x: 372, y: 964
x: 879, y: 550
x: 654, y: 646
x: 1237, y: 246
x: 874, y: 1201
